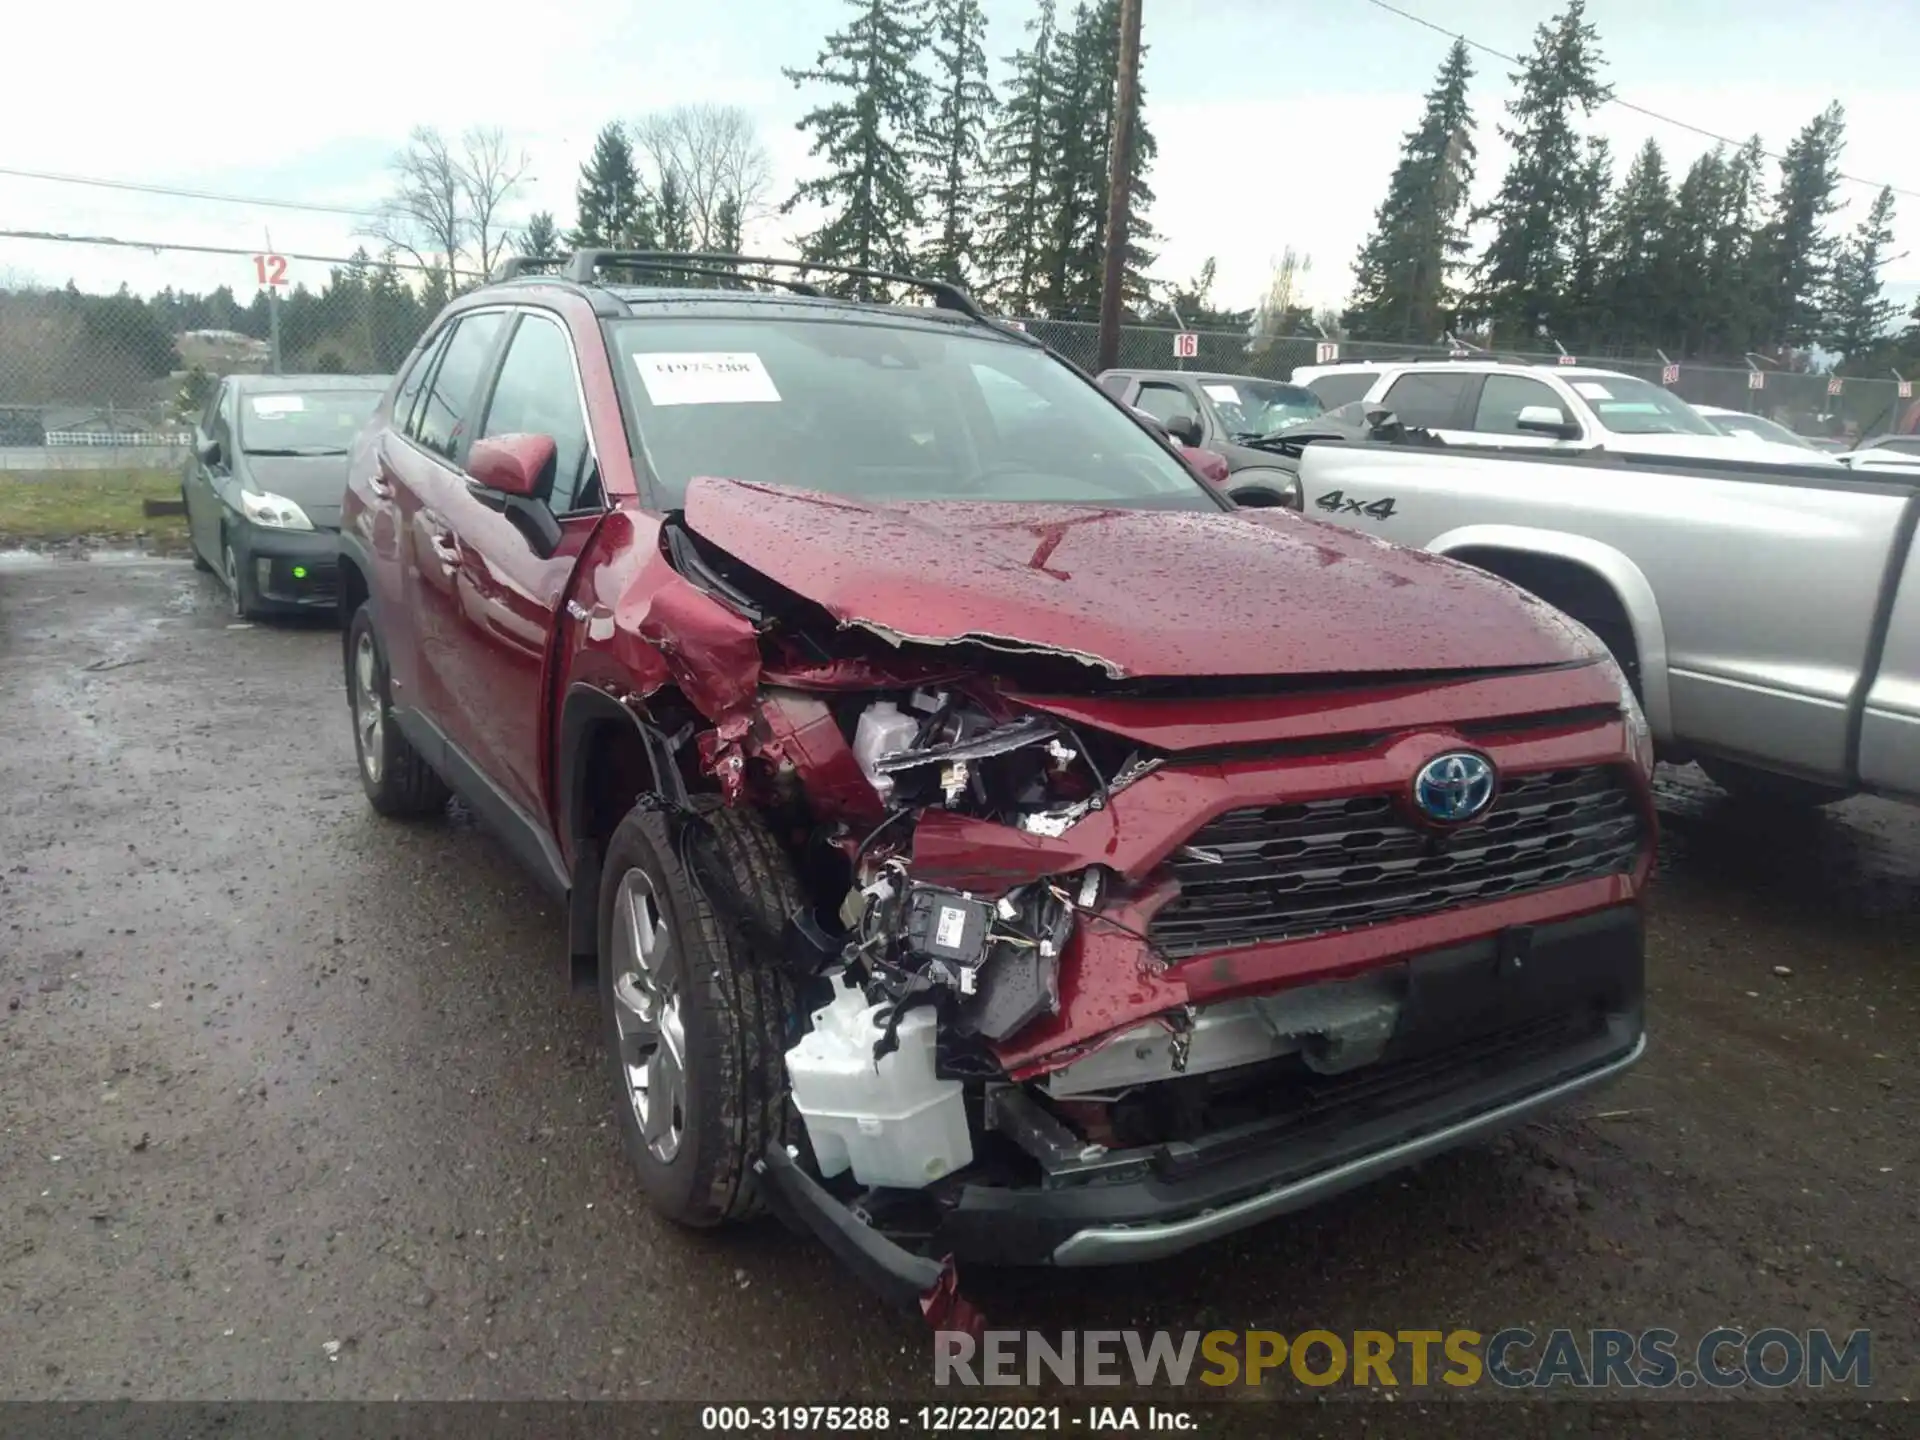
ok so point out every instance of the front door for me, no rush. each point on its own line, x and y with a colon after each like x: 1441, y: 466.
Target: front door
x: 505, y: 594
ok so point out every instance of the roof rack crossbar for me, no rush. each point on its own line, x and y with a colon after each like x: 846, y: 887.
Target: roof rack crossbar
x: 585, y: 264
x: 679, y: 266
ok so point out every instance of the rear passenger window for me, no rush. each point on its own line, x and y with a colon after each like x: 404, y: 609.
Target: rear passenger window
x: 536, y: 395
x: 1432, y: 401
x: 408, y: 395
x: 445, y: 425
x: 1343, y: 387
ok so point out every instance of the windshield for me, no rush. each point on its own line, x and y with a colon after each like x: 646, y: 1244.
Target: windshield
x: 1627, y: 406
x: 321, y: 422
x: 1759, y: 427
x: 1248, y: 409
x: 883, y: 412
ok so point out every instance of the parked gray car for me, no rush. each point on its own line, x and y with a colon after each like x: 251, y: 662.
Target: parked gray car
x: 1231, y: 415
x: 264, y: 483
x: 1768, y: 615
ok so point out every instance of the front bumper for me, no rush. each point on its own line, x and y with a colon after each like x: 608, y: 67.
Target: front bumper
x: 289, y: 570
x: 1490, y: 1033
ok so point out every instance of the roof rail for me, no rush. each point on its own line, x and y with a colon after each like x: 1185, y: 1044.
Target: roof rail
x: 514, y: 266
x: 585, y: 265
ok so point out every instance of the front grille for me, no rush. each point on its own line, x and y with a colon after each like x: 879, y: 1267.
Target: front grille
x: 1291, y: 870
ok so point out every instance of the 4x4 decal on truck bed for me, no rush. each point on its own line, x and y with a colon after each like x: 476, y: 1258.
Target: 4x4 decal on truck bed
x: 1343, y: 504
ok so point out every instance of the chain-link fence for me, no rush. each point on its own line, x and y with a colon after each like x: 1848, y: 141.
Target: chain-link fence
x: 1810, y: 404
x: 91, y: 380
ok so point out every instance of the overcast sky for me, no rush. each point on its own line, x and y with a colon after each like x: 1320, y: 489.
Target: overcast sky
x: 1278, y: 121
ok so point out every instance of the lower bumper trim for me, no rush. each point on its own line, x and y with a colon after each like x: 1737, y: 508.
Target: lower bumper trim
x: 1132, y: 1244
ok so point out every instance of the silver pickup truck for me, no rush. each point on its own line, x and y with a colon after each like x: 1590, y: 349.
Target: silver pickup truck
x: 1769, y: 615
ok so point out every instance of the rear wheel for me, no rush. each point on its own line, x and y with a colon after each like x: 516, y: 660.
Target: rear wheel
x: 695, y: 1019
x: 398, y: 781
x: 1763, y: 787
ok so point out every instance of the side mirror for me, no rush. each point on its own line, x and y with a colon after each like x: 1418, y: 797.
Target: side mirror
x: 209, y: 453
x: 1185, y: 429
x: 511, y: 464
x: 1546, y: 420
x: 1211, y: 467
x: 505, y: 473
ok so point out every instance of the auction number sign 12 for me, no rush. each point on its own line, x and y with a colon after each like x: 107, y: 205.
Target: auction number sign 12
x: 270, y: 269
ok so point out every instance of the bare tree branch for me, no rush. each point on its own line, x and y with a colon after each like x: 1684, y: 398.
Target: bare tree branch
x: 445, y: 209
x: 489, y: 174
x: 714, y: 153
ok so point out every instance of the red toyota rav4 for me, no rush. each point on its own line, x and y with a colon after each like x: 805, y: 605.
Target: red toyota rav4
x: 988, y: 843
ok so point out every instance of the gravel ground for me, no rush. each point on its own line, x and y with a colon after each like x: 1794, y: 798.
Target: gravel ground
x: 294, y: 1102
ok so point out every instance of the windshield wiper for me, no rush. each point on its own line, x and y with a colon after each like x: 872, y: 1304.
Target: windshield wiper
x: 302, y: 451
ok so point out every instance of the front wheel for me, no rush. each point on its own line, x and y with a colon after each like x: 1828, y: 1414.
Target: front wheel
x: 238, y: 594
x: 397, y: 778
x: 1763, y: 787
x: 696, y: 1020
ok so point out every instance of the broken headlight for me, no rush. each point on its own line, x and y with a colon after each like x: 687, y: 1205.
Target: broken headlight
x: 939, y: 750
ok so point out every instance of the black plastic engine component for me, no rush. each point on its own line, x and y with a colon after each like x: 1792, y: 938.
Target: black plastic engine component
x: 947, y: 926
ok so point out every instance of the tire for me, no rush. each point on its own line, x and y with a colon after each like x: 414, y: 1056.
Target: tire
x: 696, y: 982
x: 1763, y: 787
x: 399, y: 782
x: 239, y: 592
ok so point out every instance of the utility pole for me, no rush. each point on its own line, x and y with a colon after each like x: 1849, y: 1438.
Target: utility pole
x: 1126, y: 104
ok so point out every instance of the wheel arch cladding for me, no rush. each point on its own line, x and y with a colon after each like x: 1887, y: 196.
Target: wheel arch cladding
x: 1576, y: 574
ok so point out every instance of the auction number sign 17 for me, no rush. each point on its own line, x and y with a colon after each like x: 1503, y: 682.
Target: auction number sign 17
x: 270, y: 269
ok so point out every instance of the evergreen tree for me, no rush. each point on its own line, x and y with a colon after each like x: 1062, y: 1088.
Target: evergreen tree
x: 540, y: 237
x: 1192, y: 304
x: 1735, y: 296
x: 671, y: 216
x: 955, y: 142
x: 1698, y: 206
x: 1582, y: 311
x: 1073, y: 260
x: 864, y: 135
x: 1522, y: 279
x: 1401, y: 280
x: 607, y: 202
x: 1019, y: 195
x: 1637, y: 267
x: 727, y: 238
x: 1793, y: 253
x: 1858, y: 317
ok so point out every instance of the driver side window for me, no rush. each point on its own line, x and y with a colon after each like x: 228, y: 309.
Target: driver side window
x: 1505, y: 396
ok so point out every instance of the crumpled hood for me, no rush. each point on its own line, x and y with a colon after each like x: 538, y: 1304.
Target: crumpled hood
x: 316, y: 483
x: 1134, y: 592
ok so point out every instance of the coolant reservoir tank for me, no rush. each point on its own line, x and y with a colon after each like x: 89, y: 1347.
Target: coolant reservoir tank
x: 892, y: 1121
x: 883, y: 729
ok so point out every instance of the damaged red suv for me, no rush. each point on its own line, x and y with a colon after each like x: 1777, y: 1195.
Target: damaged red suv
x: 988, y: 844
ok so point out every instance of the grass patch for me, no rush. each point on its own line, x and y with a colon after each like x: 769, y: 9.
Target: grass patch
x: 43, y: 505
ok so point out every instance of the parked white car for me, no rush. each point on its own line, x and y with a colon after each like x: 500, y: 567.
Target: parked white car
x: 1567, y: 408
x: 1899, y: 454
x: 1740, y: 425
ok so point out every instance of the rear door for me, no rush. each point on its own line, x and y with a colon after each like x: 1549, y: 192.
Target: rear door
x: 198, y: 488
x: 1436, y: 400
x: 422, y: 466
x: 506, y: 594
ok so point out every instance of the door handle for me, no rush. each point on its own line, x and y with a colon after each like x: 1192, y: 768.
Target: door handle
x: 446, y: 548
x: 378, y: 483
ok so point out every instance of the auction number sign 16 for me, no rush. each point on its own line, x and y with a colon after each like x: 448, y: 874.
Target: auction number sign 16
x: 270, y: 269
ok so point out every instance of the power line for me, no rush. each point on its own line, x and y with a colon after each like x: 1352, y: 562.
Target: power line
x: 182, y: 193
x: 1473, y: 44
x: 156, y: 246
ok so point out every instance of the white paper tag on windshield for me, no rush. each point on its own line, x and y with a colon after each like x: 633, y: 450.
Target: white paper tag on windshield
x: 278, y: 404
x: 1592, y: 389
x: 691, y: 378
x: 1225, y: 394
